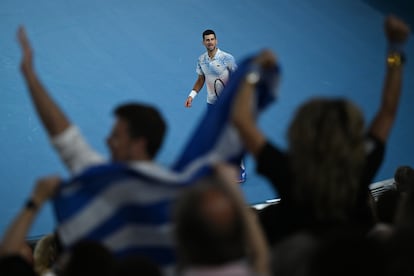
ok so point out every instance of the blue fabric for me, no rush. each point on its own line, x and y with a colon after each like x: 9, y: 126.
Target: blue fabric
x: 129, y: 210
x: 207, y: 133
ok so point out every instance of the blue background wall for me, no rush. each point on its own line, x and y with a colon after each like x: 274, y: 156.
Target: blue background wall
x: 94, y: 54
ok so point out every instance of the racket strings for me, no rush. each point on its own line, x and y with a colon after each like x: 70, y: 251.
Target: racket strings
x: 218, y: 86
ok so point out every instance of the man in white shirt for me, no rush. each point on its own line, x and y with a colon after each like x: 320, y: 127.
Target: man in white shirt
x: 137, y: 134
x: 135, y: 139
x: 214, y: 68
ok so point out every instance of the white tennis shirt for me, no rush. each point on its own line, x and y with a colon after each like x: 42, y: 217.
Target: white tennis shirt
x: 217, y: 68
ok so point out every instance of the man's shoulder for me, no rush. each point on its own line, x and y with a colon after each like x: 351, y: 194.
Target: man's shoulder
x: 224, y: 53
x: 203, y: 56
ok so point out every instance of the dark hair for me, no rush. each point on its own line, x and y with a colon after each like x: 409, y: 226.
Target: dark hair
x: 208, y: 32
x: 136, y: 265
x: 88, y: 257
x: 144, y: 121
x: 404, y: 178
x: 15, y: 265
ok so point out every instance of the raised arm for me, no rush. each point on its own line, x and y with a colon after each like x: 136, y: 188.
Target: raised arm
x: 196, y: 88
x: 52, y: 117
x: 243, y: 113
x: 15, y: 235
x: 397, y: 33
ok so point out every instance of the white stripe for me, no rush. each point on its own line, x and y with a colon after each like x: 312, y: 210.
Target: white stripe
x: 108, y: 202
x: 220, y: 152
x: 140, y: 235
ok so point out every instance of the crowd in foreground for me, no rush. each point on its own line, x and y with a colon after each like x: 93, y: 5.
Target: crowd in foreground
x: 326, y: 222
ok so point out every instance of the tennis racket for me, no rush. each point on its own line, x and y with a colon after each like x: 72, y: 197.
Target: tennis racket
x: 218, y: 87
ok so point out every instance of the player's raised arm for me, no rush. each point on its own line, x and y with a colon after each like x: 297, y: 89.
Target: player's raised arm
x: 52, y: 117
x: 396, y: 32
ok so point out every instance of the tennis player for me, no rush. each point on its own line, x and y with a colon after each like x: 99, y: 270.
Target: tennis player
x: 214, y: 68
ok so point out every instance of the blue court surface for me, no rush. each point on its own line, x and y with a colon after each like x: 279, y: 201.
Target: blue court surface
x: 94, y: 54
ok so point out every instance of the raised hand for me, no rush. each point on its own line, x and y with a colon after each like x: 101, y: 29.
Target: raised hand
x: 27, y: 58
x: 396, y: 30
x: 45, y: 188
x: 266, y: 59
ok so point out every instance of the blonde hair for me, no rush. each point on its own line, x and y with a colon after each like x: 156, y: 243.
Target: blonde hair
x: 45, y: 254
x: 327, y: 155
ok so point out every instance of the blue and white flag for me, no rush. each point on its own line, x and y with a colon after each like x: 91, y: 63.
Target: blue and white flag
x: 215, y: 138
x: 128, y: 207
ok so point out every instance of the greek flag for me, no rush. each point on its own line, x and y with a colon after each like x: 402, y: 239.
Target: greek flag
x: 127, y: 207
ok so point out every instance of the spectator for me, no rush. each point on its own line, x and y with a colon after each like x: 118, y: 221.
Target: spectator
x: 323, y: 178
x: 392, y: 204
x: 135, y: 140
x: 348, y: 253
x: 404, y: 178
x: 11, y: 260
x: 86, y: 258
x: 216, y: 232
x: 45, y: 254
x: 136, y: 265
x: 136, y: 136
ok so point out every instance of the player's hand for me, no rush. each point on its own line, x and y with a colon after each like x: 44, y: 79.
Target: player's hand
x: 396, y: 30
x: 188, y: 102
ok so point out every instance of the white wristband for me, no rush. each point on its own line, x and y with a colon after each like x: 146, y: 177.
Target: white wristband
x: 192, y: 94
